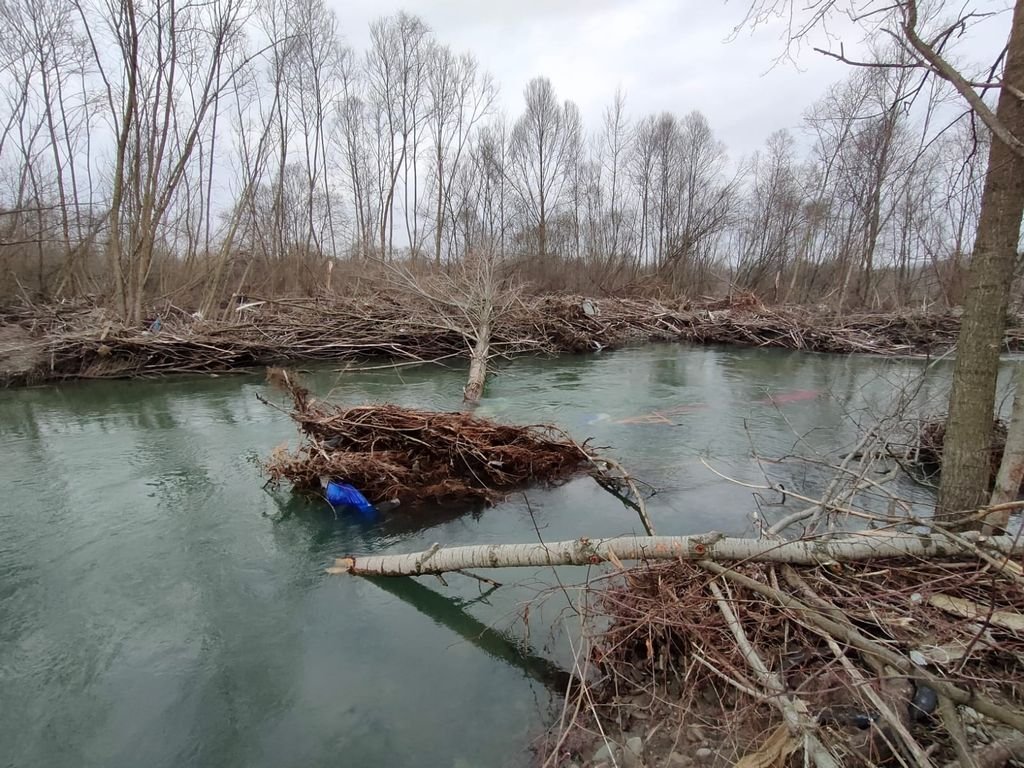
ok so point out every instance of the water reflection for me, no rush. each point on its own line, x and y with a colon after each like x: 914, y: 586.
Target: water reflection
x: 452, y: 613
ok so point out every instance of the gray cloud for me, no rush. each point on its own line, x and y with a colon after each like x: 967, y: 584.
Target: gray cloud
x: 666, y: 54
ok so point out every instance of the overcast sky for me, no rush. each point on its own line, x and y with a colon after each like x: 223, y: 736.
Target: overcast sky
x: 673, y: 55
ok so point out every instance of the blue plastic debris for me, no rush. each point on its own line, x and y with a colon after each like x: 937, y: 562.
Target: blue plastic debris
x: 345, y: 496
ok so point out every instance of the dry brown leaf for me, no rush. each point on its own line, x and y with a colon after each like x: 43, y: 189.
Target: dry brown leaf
x: 774, y: 752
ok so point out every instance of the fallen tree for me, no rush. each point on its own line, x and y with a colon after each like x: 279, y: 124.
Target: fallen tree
x: 870, y: 648
x: 710, y: 546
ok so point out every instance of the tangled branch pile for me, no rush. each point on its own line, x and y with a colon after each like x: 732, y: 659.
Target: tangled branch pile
x: 390, y: 452
x: 860, y: 663
x: 77, y: 341
x: 932, y: 438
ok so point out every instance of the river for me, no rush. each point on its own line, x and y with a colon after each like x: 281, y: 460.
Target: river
x: 159, y: 607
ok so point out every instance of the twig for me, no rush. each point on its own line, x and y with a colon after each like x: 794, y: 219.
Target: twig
x: 955, y: 729
x: 826, y: 625
x: 793, y: 709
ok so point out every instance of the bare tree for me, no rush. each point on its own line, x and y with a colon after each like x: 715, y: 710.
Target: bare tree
x: 544, y: 142
x: 167, y: 56
x: 615, y: 147
x: 460, y: 97
x: 469, y: 301
x: 396, y: 86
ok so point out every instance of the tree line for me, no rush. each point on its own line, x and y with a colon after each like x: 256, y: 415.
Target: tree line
x: 156, y: 149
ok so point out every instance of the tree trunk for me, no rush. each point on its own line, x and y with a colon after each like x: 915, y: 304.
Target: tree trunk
x: 439, y: 224
x: 478, y: 363
x: 708, y: 546
x: 966, y: 463
x: 1011, y: 470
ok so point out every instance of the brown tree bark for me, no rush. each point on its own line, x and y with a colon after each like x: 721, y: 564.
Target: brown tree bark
x: 966, y: 464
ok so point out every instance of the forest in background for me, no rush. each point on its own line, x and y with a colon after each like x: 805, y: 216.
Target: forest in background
x: 155, y: 150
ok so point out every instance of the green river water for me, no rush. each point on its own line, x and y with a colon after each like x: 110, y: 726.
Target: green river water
x: 158, y: 607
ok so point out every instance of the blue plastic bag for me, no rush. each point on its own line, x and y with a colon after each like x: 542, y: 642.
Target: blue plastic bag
x: 345, y: 496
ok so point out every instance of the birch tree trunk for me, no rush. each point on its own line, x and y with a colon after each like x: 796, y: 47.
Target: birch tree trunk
x: 708, y: 546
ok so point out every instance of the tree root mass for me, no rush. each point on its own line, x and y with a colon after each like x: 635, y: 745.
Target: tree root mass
x: 390, y: 452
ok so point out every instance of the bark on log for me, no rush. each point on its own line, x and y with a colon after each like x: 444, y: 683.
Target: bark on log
x: 708, y: 546
x: 474, y: 389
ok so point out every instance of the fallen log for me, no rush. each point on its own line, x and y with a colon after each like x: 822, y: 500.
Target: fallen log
x: 709, y: 546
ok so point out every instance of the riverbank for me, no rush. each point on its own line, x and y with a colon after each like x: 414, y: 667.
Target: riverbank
x: 913, y: 662
x: 39, y: 344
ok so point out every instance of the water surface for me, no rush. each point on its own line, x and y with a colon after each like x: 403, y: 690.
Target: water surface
x: 158, y: 607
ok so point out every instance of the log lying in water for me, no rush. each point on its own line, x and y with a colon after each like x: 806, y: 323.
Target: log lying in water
x: 709, y: 546
x: 390, y: 452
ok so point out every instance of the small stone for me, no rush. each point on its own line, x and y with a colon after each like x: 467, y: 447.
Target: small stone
x: 608, y: 753
x: 695, y: 733
x: 632, y: 755
x: 704, y: 755
x: 677, y: 760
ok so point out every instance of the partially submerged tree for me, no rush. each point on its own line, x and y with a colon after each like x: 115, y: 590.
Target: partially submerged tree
x: 468, y: 299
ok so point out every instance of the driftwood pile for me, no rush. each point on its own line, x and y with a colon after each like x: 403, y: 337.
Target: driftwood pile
x: 932, y: 438
x: 417, y: 457
x: 885, y: 662
x: 76, y: 341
